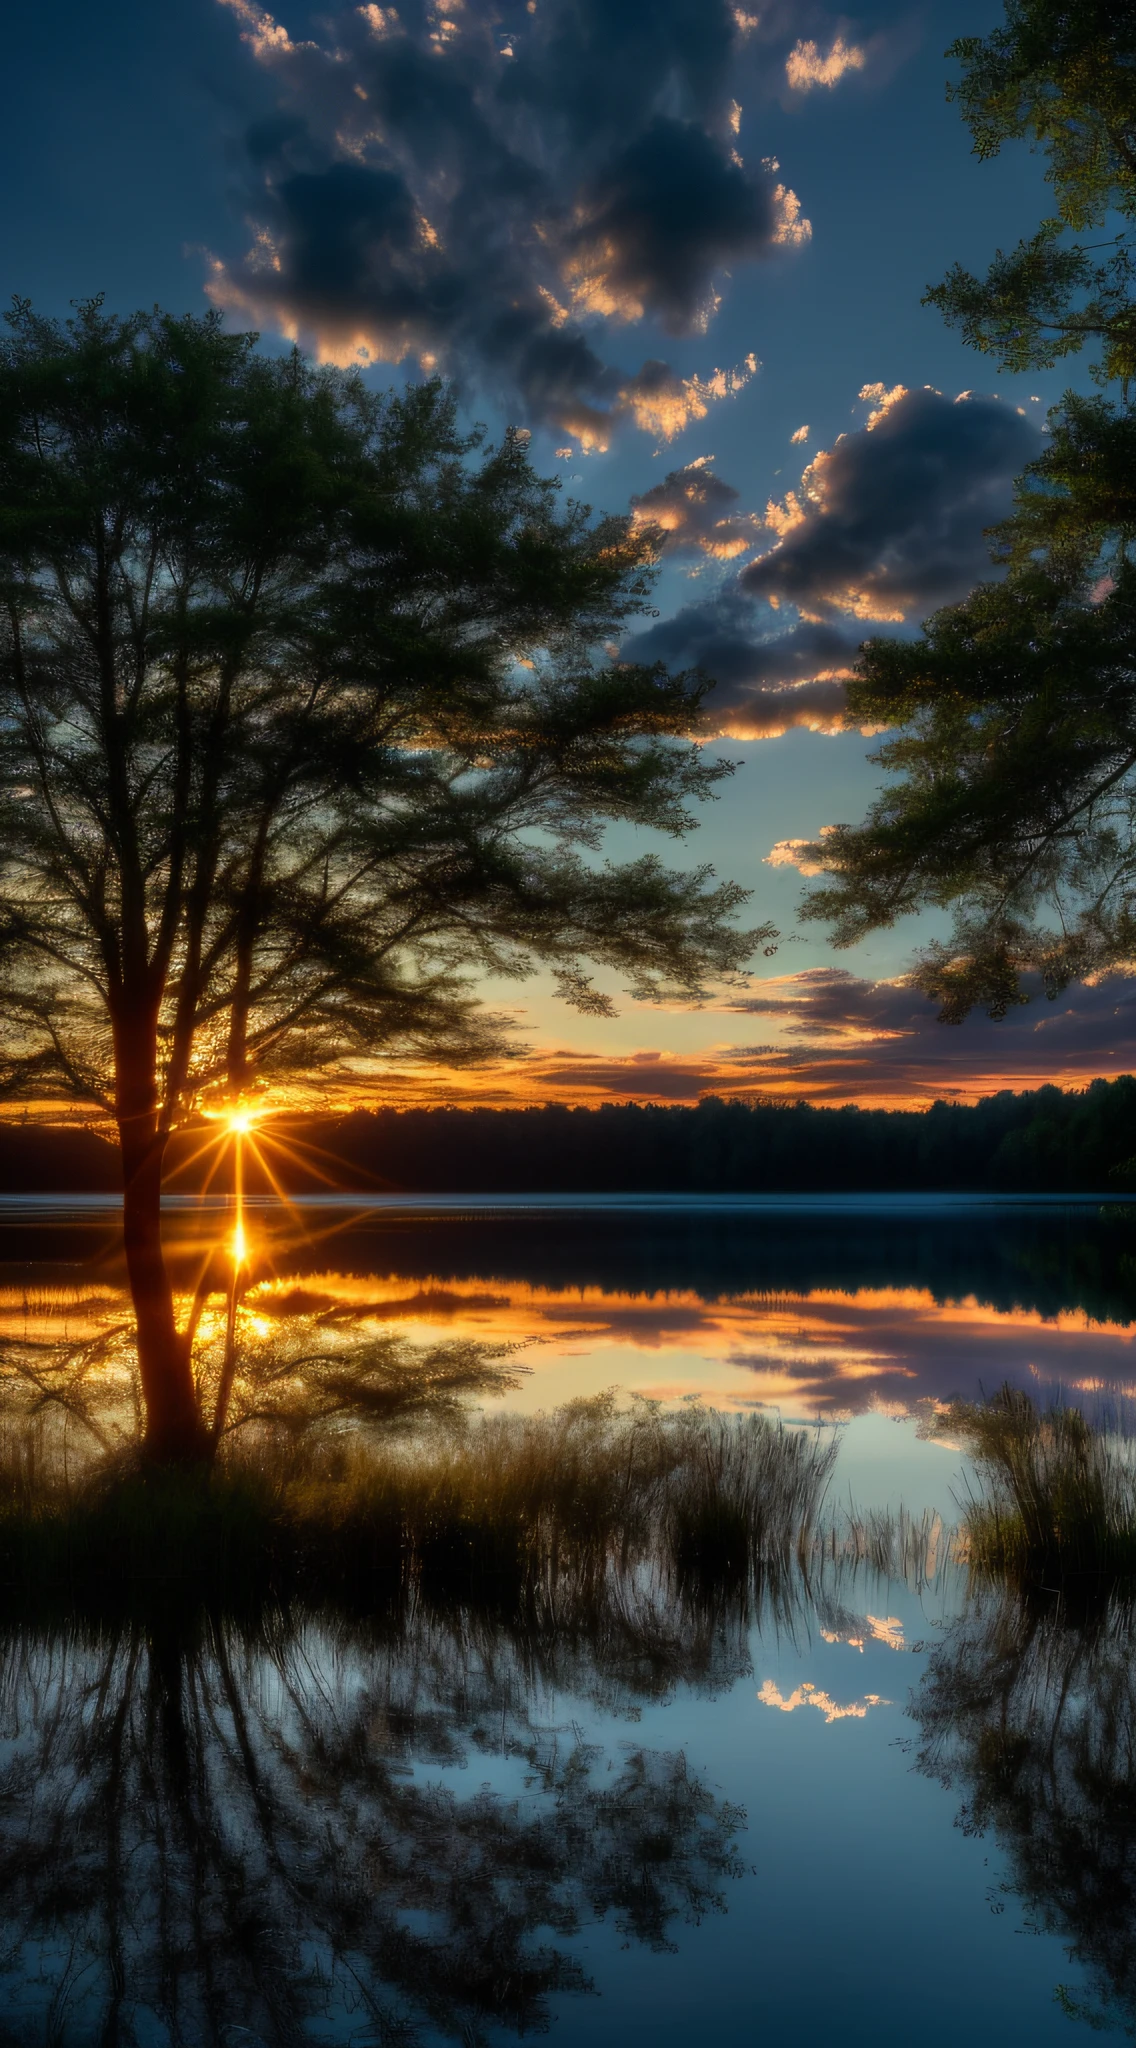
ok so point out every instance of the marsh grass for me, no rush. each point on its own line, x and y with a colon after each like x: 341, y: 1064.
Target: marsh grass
x: 1058, y: 1497
x: 500, y: 1511
x: 895, y: 1545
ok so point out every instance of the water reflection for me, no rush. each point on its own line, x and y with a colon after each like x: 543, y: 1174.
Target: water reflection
x: 822, y: 1315
x: 1030, y: 1713
x: 261, y: 1836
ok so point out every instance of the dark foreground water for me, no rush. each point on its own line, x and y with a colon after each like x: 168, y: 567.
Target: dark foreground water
x: 871, y: 1811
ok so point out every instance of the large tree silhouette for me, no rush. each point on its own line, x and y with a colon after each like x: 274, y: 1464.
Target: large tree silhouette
x: 301, y: 727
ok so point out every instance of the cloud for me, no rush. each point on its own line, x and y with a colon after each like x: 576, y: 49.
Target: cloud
x: 432, y: 188
x: 833, y: 1037
x: 849, y: 1039
x: 793, y: 853
x: 766, y: 683
x: 696, y: 510
x: 805, y: 67
x: 663, y: 216
x: 889, y: 521
x: 885, y: 525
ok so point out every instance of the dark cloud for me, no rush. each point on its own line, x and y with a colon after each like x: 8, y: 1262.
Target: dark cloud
x: 661, y: 218
x: 889, y: 521
x: 697, y: 511
x: 837, y: 1038
x: 473, y: 187
x: 886, y: 524
x: 853, y: 1039
x: 347, y: 226
x: 764, y: 685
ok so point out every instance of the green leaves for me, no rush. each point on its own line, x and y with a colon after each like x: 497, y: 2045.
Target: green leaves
x: 1017, y: 759
x: 1014, y: 802
x: 1063, y: 77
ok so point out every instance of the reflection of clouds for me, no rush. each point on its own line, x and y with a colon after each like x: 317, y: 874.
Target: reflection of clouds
x: 875, y: 1628
x: 806, y: 1695
x: 825, y: 1353
x: 34, y: 1314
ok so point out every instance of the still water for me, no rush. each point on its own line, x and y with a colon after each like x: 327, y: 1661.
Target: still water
x: 861, y: 1811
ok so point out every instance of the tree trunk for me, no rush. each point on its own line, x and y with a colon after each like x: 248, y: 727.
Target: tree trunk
x: 175, y: 1432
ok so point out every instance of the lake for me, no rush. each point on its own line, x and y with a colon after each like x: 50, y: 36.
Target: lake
x: 851, y: 1807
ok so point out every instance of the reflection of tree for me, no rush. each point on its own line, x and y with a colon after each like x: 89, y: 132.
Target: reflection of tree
x: 1035, y: 1718
x: 206, y: 1832
x: 297, y: 1376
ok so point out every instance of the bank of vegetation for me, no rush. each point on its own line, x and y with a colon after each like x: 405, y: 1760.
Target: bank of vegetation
x: 547, y: 1514
x: 1045, y: 1139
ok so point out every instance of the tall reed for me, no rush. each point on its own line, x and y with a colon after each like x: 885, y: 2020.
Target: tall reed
x: 497, y: 1509
x: 1057, y: 1499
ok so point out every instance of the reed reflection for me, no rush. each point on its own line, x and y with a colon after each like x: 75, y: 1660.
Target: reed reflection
x: 1029, y: 1710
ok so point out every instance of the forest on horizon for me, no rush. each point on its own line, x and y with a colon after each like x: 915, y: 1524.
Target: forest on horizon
x: 1044, y: 1140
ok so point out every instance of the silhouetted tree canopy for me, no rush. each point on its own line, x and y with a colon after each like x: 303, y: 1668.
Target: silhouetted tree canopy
x: 1015, y: 750
x: 302, y: 728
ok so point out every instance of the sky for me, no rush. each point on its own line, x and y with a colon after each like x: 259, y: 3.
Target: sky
x: 684, y: 243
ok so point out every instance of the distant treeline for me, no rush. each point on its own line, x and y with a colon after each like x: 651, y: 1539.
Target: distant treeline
x: 1044, y: 1140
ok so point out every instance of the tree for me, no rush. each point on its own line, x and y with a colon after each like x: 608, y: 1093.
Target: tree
x: 302, y: 727
x: 1016, y: 709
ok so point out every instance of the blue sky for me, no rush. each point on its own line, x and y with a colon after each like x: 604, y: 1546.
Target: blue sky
x: 666, y: 236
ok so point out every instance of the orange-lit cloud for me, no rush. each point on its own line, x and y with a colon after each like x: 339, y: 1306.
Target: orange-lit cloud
x: 841, y: 1039
x: 766, y: 683
x: 808, y: 1695
x: 793, y: 853
x: 806, y: 67
x: 891, y: 519
x: 697, y: 511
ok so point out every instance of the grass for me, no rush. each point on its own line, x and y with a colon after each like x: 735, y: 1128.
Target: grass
x: 500, y: 1511
x: 1058, y: 1498
x: 906, y: 1549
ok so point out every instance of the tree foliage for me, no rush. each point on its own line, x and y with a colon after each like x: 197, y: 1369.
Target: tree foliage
x: 302, y: 729
x: 301, y: 720
x: 1062, y: 75
x: 1015, y: 711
